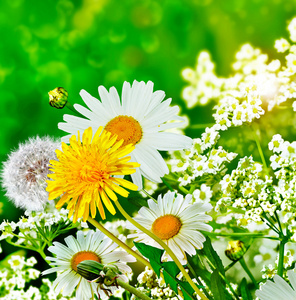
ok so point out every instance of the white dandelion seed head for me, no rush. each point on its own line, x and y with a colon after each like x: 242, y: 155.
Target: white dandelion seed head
x: 25, y: 172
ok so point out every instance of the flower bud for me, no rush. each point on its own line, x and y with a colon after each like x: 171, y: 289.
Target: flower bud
x: 235, y: 250
x: 58, y: 97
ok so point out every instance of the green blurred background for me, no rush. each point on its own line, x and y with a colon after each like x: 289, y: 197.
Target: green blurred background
x: 86, y: 43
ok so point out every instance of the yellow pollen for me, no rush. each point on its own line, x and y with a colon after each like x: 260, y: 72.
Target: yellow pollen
x: 166, y: 227
x: 126, y: 128
x: 81, y: 256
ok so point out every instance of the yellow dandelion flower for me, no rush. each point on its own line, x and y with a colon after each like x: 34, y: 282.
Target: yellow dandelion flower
x: 84, y: 173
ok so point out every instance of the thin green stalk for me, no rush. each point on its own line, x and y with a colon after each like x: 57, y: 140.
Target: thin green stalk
x: 146, y: 193
x: 201, y: 126
x: 230, y: 266
x: 279, y: 222
x: 182, y: 189
x: 270, y: 224
x: 164, y: 246
x: 119, y: 242
x: 281, y: 256
x: 247, y: 270
x: 71, y: 107
x: 167, y: 184
x: 241, y: 234
x: 132, y: 290
x: 260, y: 149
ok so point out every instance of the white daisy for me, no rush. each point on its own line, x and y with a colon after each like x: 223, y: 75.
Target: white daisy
x: 279, y: 289
x: 177, y: 222
x: 140, y: 118
x: 25, y: 173
x: 92, y: 246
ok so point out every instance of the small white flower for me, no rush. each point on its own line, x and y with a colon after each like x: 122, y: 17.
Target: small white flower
x: 25, y: 173
x: 292, y: 30
x: 281, y: 45
x: 203, y: 194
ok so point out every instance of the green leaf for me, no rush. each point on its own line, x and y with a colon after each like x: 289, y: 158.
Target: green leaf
x: 196, y: 269
x: 245, y: 293
x: 138, y: 201
x: 212, y: 255
x: 169, y: 269
x: 217, y: 286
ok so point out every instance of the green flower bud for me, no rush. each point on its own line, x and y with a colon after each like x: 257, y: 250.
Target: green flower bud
x: 235, y: 250
x: 58, y: 97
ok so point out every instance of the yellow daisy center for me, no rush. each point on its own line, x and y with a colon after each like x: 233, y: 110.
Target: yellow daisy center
x: 126, y: 128
x: 82, y: 256
x: 166, y: 227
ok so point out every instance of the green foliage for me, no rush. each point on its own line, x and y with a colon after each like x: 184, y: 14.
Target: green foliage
x: 245, y: 293
x: 169, y: 269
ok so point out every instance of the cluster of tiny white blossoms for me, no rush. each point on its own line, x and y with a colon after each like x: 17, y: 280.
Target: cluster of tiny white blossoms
x: 246, y: 192
x: 155, y: 287
x: 257, y: 83
x: 50, y: 221
x: 283, y: 162
x: 202, y: 162
x: 15, y: 279
x: 268, y: 271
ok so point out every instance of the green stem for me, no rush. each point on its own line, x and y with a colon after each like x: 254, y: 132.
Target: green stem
x: 147, y: 194
x: 241, y: 234
x: 281, y: 257
x: 182, y: 189
x: 71, y: 107
x: 247, y: 270
x: 164, y: 246
x: 230, y: 266
x: 201, y: 126
x: 167, y: 184
x: 118, y: 241
x: 279, y: 222
x: 260, y: 149
x: 132, y: 290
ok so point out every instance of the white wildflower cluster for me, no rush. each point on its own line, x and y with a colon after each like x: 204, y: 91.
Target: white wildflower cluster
x: 283, y: 162
x: 202, y: 162
x: 204, y: 84
x: 15, y: 278
x: 247, y: 192
x: 257, y: 83
x: 25, y: 173
x: 156, y: 287
x: 51, y: 222
x: 268, y: 271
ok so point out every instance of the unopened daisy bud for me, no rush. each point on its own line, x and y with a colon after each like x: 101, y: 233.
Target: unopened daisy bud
x: 91, y: 270
x: 58, y: 97
x: 235, y: 250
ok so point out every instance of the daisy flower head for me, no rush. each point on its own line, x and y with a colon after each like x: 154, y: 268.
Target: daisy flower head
x: 92, y: 246
x: 25, y: 172
x: 85, y: 173
x: 139, y: 117
x: 279, y: 288
x: 176, y: 221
